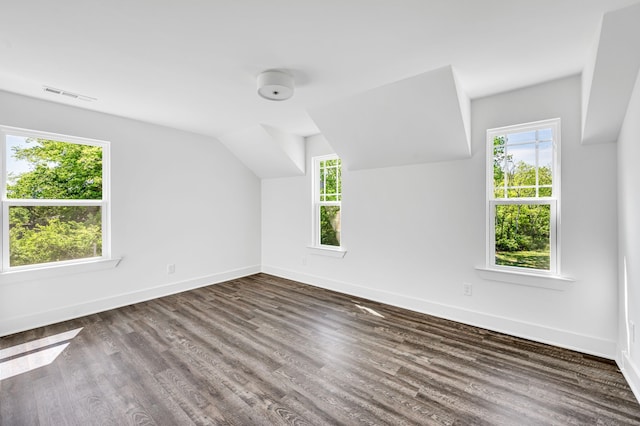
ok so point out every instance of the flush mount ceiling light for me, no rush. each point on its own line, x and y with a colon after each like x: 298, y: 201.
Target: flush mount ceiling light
x: 275, y: 85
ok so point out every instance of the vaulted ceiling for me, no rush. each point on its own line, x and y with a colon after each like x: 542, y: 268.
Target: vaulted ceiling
x: 192, y: 64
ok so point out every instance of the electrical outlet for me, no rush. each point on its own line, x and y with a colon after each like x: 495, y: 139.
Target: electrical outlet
x: 171, y: 268
x: 304, y: 260
x: 468, y: 289
x: 632, y: 331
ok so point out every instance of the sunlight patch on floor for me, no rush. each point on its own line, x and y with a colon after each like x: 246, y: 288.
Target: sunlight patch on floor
x: 38, y: 353
x: 369, y: 311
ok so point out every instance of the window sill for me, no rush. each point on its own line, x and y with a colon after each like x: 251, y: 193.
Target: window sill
x: 551, y: 282
x: 326, y: 251
x: 58, y: 270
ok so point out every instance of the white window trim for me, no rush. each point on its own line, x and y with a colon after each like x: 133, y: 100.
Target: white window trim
x: 58, y: 269
x: 327, y: 251
x: 105, y: 260
x: 523, y: 278
x: 509, y: 272
x: 317, y: 248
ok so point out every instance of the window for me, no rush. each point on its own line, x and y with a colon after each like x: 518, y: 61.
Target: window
x: 54, y: 199
x: 523, y: 193
x: 327, y: 200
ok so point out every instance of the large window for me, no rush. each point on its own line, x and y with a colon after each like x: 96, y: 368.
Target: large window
x: 327, y: 200
x: 54, y: 199
x: 523, y: 193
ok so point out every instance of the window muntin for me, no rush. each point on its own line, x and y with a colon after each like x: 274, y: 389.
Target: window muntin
x: 523, y: 196
x: 327, y: 201
x: 54, y: 199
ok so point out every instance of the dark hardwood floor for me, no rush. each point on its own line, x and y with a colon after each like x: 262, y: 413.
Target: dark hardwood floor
x: 263, y: 350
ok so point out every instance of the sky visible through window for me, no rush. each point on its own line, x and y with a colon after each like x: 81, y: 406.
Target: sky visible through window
x: 527, y: 151
x: 14, y: 166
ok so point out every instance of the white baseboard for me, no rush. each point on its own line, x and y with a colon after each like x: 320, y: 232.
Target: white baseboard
x: 631, y: 372
x: 28, y: 322
x: 586, y: 344
x: 536, y: 332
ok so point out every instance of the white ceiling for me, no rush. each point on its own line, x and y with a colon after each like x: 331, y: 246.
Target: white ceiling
x: 192, y: 64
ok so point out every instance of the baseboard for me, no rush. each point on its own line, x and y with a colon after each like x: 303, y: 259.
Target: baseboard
x: 28, y: 322
x: 631, y: 372
x: 536, y: 332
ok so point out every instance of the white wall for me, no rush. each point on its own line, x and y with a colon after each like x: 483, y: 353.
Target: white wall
x: 629, y: 241
x: 415, y: 234
x: 177, y: 198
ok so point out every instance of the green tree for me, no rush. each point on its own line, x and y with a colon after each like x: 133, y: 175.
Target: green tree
x: 499, y: 159
x: 329, y: 224
x: 57, y: 171
x: 521, y: 230
x: 56, y: 241
x: 330, y: 191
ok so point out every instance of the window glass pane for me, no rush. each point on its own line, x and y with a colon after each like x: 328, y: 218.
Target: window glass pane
x: 520, y: 167
x: 545, y: 135
x: 330, y: 225
x: 16, y: 166
x: 545, y: 163
x: 522, y: 234
x: 521, y: 192
x: 523, y: 161
x: 498, y: 166
x: 545, y: 154
x: 529, y: 136
x: 545, y: 192
x: 330, y: 180
x: 545, y: 176
x: 43, y: 234
x: 525, y: 153
x: 48, y: 169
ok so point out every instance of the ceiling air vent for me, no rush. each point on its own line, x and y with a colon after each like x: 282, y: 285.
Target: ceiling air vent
x: 51, y: 90
x: 68, y: 94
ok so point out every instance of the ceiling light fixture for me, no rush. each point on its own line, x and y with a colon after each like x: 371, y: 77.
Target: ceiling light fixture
x: 275, y: 85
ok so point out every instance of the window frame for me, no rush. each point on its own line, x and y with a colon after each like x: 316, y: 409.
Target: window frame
x: 318, y: 204
x: 553, y: 201
x: 6, y: 203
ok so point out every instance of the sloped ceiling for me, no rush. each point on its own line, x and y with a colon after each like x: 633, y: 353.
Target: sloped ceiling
x: 610, y: 75
x: 420, y: 119
x: 267, y: 151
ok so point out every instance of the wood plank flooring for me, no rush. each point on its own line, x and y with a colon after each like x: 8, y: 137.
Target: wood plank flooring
x: 267, y: 351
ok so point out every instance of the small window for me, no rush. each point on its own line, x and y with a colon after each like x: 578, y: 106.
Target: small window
x: 54, y: 199
x: 523, y: 193
x: 327, y: 200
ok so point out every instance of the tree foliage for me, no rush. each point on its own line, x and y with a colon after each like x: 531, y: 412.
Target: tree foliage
x: 523, y: 227
x: 330, y: 191
x: 56, y: 240
x: 57, y: 171
x: 329, y: 225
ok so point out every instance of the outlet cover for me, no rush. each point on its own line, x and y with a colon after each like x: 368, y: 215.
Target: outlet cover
x: 468, y: 289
